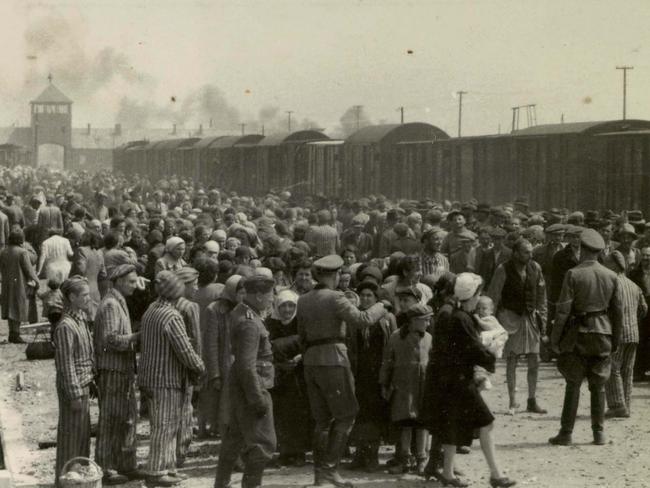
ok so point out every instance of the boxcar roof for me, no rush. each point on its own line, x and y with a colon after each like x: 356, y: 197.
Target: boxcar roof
x: 298, y: 136
x: 169, y: 144
x: 584, y: 127
x: 395, y: 133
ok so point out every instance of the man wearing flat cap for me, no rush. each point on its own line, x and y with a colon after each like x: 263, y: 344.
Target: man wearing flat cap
x: 588, y: 324
x: 250, y: 431
x: 563, y: 261
x: 323, y: 317
x: 457, y: 228
x: 168, y: 363
x: 493, y: 257
x: 115, y: 360
x: 191, y: 318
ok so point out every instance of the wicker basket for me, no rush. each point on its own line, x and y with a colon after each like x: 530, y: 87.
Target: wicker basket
x: 86, y: 483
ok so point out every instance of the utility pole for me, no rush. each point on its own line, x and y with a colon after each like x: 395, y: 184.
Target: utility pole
x: 401, y: 111
x: 515, y: 118
x: 357, y: 109
x: 262, y: 129
x: 243, y: 129
x: 624, y: 68
x: 460, y: 109
x: 289, y: 112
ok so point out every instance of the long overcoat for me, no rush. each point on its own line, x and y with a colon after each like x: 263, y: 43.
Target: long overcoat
x: 16, y: 270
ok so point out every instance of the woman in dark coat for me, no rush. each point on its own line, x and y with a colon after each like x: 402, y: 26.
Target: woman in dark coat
x: 17, y: 275
x: 88, y: 261
x: 290, y: 404
x: 372, y: 421
x: 458, y: 408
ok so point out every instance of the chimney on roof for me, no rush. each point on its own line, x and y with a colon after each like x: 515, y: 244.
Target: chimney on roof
x: 88, y: 130
x: 118, y: 130
x: 174, y: 130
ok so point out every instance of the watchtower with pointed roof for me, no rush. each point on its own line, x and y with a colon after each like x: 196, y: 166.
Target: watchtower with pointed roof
x: 51, y: 116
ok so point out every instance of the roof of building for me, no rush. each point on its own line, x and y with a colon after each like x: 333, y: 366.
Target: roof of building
x: 52, y: 94
x: 393, y: 133
x: 594, y: 127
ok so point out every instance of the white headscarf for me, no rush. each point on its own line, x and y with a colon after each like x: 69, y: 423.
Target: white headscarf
x: 283, y: 297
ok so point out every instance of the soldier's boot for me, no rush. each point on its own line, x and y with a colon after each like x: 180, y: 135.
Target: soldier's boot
x: 569, y: 412
x: 329, y: 472
x: 321, y: 442
x: 253, y: 476
x: 225, y: 468
x: 598, y: 415
x: 359, y: 460
x: 372, y: 457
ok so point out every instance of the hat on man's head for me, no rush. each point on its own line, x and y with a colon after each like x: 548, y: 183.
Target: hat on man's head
x: 498, y: 232
x: 555, y: 229
x: 120, y: 270
x: 372, y: 272
x: 573, y: 230
x: 259, y: 283
x: 635, y: 217
x: 329, y: 264
x: 169, y: 286
x: 592, y: 240
x: 418, y: 311
x: 626, y: 229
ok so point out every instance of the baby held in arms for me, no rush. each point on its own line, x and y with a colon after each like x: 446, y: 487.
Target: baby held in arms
x: 493, y: 337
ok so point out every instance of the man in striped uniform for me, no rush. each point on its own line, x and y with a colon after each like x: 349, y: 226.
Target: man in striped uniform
x: 168, y: 363
x: 250, y: 431
x: 115, y: 354
x: 74, y: 374
x: 618, y: 388
x: 191, y: 318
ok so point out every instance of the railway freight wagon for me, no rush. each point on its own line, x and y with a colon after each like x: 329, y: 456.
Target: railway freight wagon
x: 371, y: 158
x: 13, y: 155
x: 218, y: 160
x: 319, y: 169
x: 279, y: 162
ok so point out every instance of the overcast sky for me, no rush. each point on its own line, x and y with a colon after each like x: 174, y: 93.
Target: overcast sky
x: 250, y: 61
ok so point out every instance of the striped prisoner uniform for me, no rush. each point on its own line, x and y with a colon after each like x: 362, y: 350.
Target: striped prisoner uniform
x: 167, y: 360
x: 118, y: 410
x: 74, y: 373
x: 190, y: 312
x: 619, y: 386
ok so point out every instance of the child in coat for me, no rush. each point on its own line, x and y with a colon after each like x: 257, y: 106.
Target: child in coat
x: 402, y: 378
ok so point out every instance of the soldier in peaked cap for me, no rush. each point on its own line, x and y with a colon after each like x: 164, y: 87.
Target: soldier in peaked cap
x: 587, y: 328
x: 251, y: 431
x: 323, y: 316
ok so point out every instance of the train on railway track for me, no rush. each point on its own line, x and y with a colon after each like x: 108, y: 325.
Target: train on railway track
x: 587, y: 165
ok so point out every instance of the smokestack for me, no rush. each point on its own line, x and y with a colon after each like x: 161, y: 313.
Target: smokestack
x: 210, y: 122
x: 174, y: 130
x: 88, y: 130
x: 200, y: 133
x: 118, y: 130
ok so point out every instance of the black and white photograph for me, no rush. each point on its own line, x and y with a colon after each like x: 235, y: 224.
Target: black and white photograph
x: 324, y: 243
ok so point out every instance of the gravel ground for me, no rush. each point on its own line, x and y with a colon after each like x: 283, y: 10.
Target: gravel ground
x: 30, y: 416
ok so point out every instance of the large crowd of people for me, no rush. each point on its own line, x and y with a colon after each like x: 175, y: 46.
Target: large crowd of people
x: 293, y: 324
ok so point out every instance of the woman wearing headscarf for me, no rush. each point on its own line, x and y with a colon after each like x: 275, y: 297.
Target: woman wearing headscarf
x: 289, y: 393
x: 172, y: 259
x: 18, y: 275
x: 458, y: 409
x: 367, y: 350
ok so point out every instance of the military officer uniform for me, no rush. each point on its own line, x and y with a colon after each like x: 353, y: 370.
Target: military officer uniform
x: 323, y: 316
x: 251, y: 431
x: 587, y: 328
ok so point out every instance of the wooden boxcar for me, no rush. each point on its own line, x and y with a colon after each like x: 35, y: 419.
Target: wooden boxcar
x: 319, y: 169
x: 278, y: 162
x: 13, y: 155
x: 371, y: 158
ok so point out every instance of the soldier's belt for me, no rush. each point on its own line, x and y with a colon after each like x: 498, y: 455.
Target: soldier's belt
x: 328, y: 340
x: 586, y: 315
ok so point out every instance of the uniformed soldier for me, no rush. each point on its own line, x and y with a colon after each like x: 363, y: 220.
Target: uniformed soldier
x: 587, y: 329
x: 250, y: 432
x: 323, y: 314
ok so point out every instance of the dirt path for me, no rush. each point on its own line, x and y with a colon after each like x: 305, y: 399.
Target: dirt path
x: 522, y: 440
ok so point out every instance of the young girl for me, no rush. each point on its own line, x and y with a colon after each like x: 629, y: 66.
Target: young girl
x: 493, y: 337
x: 402, y: 378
